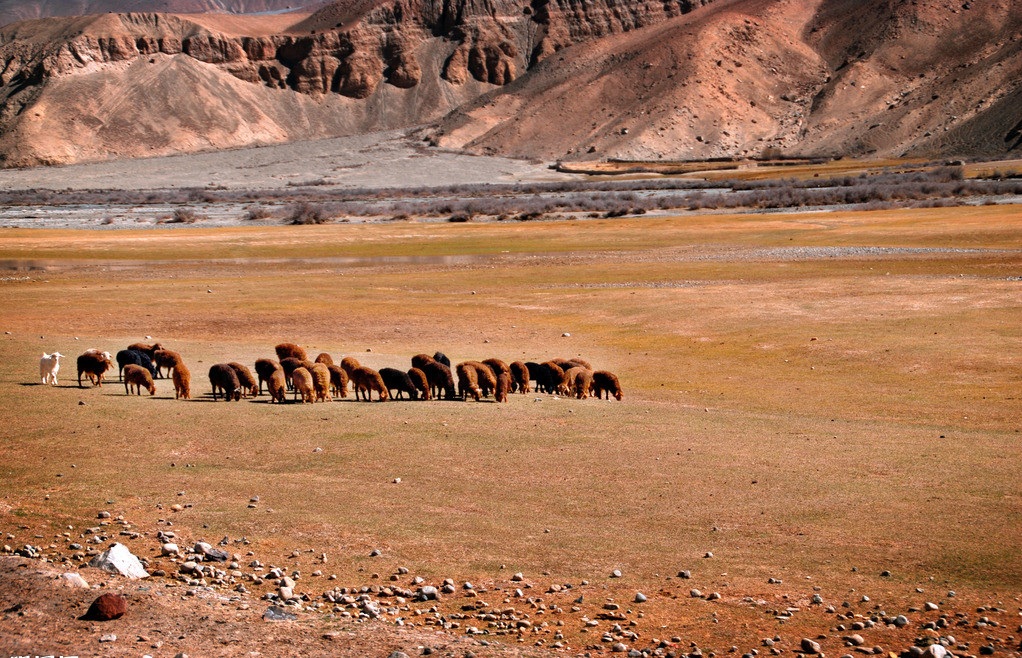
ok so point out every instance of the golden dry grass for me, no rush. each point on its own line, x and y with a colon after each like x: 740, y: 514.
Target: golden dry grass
x: 793, y: 403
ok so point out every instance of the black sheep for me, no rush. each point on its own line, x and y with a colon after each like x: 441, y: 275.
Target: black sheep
x: 222, y: 377
x: 124, y: 357
x: 398, y: 380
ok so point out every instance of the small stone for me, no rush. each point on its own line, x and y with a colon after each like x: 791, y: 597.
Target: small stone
x: 685, y: 574
x: 74, y: 579
x: 931, y: 606
x: 713, y: 596
x: 398, y: 654
x: 619, y: 647
x: 817, y: 599
x: 616, y: 573
x: 103, y: 515
x: 901, y: 621
x: 103, y: 639
x: 108, y: 606
x: 809, y: 646
x: 169, y: 549
x: 518, y: 577
x: 118, y: 559
x: 375, y: 553
x: 428, y: 593
x: 695, y: 594
x: 640, y: 597
x: 277, y: 613
x: 855, y: 640
x: 708, y: 554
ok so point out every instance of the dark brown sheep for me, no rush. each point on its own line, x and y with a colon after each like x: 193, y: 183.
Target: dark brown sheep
x: 285, y: 350
x: 290, y: 364
x: 498, y: 366
x: 398, y: 380
x: 136, y: 378
x: 606, y: 382
x: 165, y: 359
x: 264, y: 370
x: 182, y: 377
x: 367, y: 380
x: 420, y: 381
x: 325, y: 359
x: 439, y: 376
x: 519, y: 377
x: 223, y: 378
x: 557, y: 382
x: 563, y: 364
x: 503, y: 386
x: 245, y: 378
x: 94, y: 364
x: 580, y: 362
x: 301, y: 379
x: 338, y: 381
x: 149, y: 350
x: 321, y: 381
x: 276, y: 386
x: 468, y: 380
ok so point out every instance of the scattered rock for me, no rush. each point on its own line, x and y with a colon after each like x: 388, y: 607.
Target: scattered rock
x: 810, y: 646
x: 640, y: 597
x: 108, y: 606
x: 210, y: 553
x: 695, y: 594
x: 74, y: 579
x: 901, y: 621
x: 118, y: 559
x: 616, y: 573
x: 428, y: 593
x: 103, y: 639
x: 685, y: 574
x: 277, y: 613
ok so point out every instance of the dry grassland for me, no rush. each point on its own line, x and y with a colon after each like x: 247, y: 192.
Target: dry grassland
x: 804, y: 394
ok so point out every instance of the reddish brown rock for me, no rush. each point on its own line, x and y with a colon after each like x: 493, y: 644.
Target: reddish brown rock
x: 108, y: 606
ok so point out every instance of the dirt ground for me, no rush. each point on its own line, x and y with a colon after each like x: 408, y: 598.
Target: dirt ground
x: 816, y: 405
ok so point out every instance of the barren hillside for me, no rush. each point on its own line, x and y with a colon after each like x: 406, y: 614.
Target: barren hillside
x: 550, y: 79
x: 12, y: 11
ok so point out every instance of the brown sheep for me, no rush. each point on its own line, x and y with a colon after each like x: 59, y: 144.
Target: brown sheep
x: 285, y: 350
x: 503, y: 386
x: 468, y: 380
x: 485, y: 376
x: 338, y: 381
x: 223, y: 378
x: 497, y: 366
x: 439, y: 376
x: 165, y: 359
x: 94, y: 363
x: 421, y: 382
x: 289, y: 364
x: 563, y: 364
x: 182, y: 382
x: 349, y: 363
x: 148, y: 350
x: 558, y: 383
x: 519, y: 377
x: 303, y: 384
x: 138, y: 377
x: 276, y: 386
x: 579, y: 380
x: 264, y: 370
x: 321, y: 381
x: 245, y: 378
x: 367, y: 380
x: 604, y: 381
x: 580, y: 362
x: 325, y: 359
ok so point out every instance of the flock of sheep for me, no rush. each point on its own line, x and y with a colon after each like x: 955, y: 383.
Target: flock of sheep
x: 430, y: 377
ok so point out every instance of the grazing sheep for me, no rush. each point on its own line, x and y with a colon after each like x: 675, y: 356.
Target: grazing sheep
x: 165, y: 359
x: 124, y: 357
x: 49, y: 366
x: 304, y: 384
x: 440, y: 357
x: 94, y: 363
x: 539, y: 374
x: 325, y: 359
x: 321, y: 381
x: 468, y: 380
x: 558, y: 384
x: 497, y: 366
x: 398, y: 380
x: 579, y: 380
x: 222, y: 377
x: 420, y: 381
x: 245, y: 378
x: 338, y: 381
x: 503, y: 386
x: 276, y: 386
x: 438, y: 375
x: 265, y: 369
x: 519, y: 377
x: 604, y: 381
x: 137, y: 376
x: 485, y: 377
x: 349, y: 363
x: 289, y: 364
x: 580, y: 362
x: 284, y: 350
x: 563, y: 364
x: 148, y: 350
x: 182, y: 382
x: 367, y: 380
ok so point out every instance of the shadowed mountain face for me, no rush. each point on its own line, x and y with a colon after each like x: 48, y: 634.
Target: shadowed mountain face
x: 538, y: 78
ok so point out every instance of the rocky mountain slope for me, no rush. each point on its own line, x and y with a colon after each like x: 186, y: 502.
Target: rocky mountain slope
x: 12, y: 11
x: 539, y: 78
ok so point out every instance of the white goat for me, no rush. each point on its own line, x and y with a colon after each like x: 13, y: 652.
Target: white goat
x: 49, y: 365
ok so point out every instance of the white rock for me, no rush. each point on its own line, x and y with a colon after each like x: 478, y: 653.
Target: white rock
x: 118, y: 559
x: 74, y: 579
